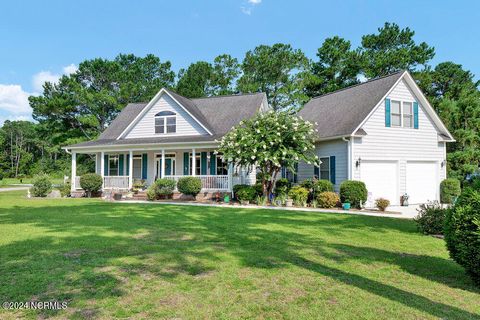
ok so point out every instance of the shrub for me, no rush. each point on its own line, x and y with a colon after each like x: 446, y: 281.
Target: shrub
x: 189, y: 185
x: 462, y: 232
x: 382, y: 204
x: 449, y: 190
x: 354, y: 192
x: 258, y: 189
x: 430, y: 218
x: 65, y: 189
x: 1, y: 176
x: 299, y: 195
x: 323, y: 186
x: 327, y: 199
x: 151, y: 193
x: 247, y: 193
x: 262, y: 201
x: 42, y: 186
x: 282, y: 186
x: 160, y: 188
x: 91, y: 182
x: 238, y: 187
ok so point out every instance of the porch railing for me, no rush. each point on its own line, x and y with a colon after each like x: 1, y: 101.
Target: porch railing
x: 209, y: 183
x: 115, y: 182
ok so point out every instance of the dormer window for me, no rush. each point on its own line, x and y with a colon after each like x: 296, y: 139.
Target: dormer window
x: 166, y: 122
x: 401, y: 114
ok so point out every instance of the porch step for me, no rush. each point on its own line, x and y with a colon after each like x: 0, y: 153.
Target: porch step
x: 142, y: 195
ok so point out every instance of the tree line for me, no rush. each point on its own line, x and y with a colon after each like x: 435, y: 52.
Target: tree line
x: 81, y: 105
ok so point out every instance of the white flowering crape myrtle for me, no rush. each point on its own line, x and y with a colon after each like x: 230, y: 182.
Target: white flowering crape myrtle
x: 270, y: 141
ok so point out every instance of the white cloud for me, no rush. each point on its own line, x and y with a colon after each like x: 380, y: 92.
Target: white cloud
x: 47, y: 76
x: 248, y: 8
x: 247, y: 11
x: 14, y: 100
x: 254, y: 2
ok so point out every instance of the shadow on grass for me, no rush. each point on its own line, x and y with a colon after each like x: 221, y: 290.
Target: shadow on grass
x: 84, y: 250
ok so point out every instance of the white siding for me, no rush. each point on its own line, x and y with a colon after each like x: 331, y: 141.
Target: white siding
x: 145, y: 127
x: 399, y: 144
x: 337, y: 148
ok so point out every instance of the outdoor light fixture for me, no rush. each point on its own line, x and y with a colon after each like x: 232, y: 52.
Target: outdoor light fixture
x: 358, y: 162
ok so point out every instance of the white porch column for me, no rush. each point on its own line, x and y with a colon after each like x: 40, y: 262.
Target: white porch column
x: 74, y: 171
x: 96, y: 162
x: 230, y: 177
x: 194, y: 162
x: 130, y: 169
x: 102, y: 166
x: 162, y: 170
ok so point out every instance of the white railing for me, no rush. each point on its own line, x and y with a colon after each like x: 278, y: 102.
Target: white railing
x: 209, y: 183
x: 115, y: 182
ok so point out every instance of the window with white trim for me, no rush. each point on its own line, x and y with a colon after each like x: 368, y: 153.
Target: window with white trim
x: 113, y: 165
x: 325, y: 168
x: 166, y: 122
x: 401, y: 114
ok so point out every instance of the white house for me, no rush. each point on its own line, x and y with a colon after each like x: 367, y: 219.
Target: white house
x: 171, y: 136
x: 383, y: 132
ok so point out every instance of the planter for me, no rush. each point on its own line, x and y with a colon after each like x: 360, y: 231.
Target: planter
x: 346, y: 206
x: 226, y: 198
x: 117, y: 196
x: 244, y: 202
x: 289, y: 203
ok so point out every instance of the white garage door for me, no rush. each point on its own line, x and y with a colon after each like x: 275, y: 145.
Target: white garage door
x: 381, y: 178
x: 422, y: 181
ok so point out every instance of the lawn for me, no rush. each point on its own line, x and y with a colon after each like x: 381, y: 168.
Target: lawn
x: 8, y: 182
x: 110, y: 260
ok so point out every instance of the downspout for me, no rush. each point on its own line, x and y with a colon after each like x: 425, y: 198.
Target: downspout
x: 349, y: 158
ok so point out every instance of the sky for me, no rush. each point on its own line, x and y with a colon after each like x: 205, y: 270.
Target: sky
x: 41, y: 40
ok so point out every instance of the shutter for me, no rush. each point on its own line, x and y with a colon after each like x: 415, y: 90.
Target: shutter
x: 203, y: 163
x: 295, y: 173
x: 415, y: 115
x: 284, y: 172
x: 316, y: 171
x: 144, y: 166
x: 105, y: 165
x: 120, y: 165
x: 332, y: 169
x: 387, y: 112
x: 213, y: 164
x: 186, y: 163
x: 127, y: 168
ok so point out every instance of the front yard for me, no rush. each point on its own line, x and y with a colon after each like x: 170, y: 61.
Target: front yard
x: 163, y: 261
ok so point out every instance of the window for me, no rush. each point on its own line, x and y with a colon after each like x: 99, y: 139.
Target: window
x: 396, y: 113
x: 165, y: 122
x: 407, y: 115
x: 137, y: 167
x: 222, y: 167
x: 325, y: 168
x: 113, y: 165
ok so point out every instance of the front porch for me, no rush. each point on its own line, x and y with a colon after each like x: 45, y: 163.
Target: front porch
x: 121, y: 169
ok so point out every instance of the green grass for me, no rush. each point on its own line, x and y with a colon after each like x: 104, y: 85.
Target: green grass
x: 8, y: 182
x: 156, y: 261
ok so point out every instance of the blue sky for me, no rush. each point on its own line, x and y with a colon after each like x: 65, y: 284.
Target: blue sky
x: 40, y: 40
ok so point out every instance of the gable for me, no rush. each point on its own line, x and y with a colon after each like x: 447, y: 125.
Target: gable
x: 144, y: 127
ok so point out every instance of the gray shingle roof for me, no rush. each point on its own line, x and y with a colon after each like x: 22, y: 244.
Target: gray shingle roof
x: 339, y: 113
x: 218, y: 114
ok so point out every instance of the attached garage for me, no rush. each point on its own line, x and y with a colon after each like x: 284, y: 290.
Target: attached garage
x: 381, y: 179
x: 422, y: 183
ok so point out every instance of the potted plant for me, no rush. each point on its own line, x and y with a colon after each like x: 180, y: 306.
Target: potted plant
x: 346, y: 204
x: 226, y: 198
x: 117, y: 195
x: 289, y: 202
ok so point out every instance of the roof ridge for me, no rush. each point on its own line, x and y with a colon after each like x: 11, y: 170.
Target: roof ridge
x: 230, y: 95
x: 359, y: 84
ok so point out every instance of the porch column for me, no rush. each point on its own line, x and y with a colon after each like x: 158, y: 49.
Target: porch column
x: 162, y: 170
x: 96, y: 162
x: 230, y: 176
x: 74, y: 171
x: 102, y: 166
x: 130, y: 169
x: 194, y: 164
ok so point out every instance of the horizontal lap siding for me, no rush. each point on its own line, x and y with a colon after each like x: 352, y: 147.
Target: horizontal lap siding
x: 337, y: 148
x: 186, y: 125
x: 400, y: 144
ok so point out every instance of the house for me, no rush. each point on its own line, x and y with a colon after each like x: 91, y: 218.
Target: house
x: 170, y: 136
x: 383, y: 132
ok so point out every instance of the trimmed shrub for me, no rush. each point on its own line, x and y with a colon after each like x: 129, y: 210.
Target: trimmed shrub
x: 462, y: 232
x: 382, y: 204
x: 160, y: 188
x: 247, y: 193
x: 327, y: 199
x: 282, y: 186
x: 42, y: 186
x: 299, y: 195
x: 189, y: 185
x: 258, y: 189
x: 323, y: 186
x: 354, y: 192
x: 449, y: 190
x: 65, y: 189
x: 91, y: 182
x: 237, y: 188
x: 430, y: 218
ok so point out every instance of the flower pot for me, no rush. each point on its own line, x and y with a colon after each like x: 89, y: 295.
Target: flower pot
x: 346, y: 206
x: 226, y: 198
x: 289, y: 203
x: 244, y: 202
x: 117, y: 196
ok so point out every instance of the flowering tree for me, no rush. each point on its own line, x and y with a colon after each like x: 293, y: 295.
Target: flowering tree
x: 269, y: 141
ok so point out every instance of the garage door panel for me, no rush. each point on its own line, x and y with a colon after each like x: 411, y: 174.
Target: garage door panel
x: 422, y: 181
x: 381, y: 179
